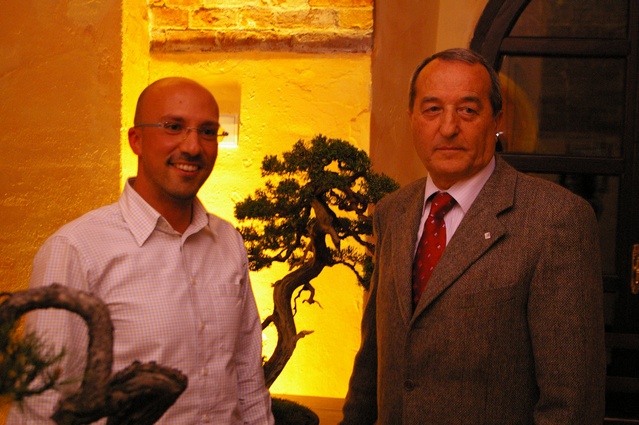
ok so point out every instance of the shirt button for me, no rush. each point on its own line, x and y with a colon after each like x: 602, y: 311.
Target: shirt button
x: 409, y: 385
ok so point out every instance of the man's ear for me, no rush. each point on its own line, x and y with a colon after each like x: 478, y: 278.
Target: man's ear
x: 135, y: 140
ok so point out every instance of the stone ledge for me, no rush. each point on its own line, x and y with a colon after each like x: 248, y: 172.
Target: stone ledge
x: 174, y: 41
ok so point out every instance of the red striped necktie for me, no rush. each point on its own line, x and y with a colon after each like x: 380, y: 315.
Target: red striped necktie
x: 432, y: 243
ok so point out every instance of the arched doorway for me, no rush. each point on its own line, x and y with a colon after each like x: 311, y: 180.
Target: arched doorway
x: 570, y: 72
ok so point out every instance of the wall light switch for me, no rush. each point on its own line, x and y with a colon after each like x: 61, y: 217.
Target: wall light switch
x: 231, y: 124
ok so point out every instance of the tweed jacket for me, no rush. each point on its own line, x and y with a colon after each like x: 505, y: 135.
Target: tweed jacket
x: 510, y: 327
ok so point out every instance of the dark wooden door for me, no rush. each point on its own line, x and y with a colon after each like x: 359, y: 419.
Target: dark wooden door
x: 569, y: 71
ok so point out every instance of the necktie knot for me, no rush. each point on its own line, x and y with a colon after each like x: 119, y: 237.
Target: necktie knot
x: 440, y: 206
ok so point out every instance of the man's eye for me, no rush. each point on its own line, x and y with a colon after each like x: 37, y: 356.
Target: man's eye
x: 173, y: 127
x: 208, y: 131
x: 468, y: 111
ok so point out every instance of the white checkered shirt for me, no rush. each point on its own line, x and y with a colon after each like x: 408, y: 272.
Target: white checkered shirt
x: 181, y: 300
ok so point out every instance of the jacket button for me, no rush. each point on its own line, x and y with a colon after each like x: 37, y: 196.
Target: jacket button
x: 409, y: 385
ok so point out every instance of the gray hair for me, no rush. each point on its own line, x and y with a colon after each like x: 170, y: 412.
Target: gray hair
x: 461, y: 55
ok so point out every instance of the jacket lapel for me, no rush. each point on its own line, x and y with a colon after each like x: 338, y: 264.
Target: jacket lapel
x: 404, y: 238
x: 479, y: 230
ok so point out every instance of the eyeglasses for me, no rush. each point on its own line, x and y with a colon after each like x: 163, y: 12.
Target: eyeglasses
x: 210, y: 133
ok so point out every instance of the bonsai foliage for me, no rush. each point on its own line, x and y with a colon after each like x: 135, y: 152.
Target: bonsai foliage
x: 313, y: 212
x: 23, y: 360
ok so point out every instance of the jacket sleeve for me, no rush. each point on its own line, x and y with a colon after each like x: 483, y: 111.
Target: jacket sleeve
x: 565, y: 314
x: 360, y: 406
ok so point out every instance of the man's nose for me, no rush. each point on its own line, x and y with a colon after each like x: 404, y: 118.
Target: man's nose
x: 449, y: 125
x: 191, y: 141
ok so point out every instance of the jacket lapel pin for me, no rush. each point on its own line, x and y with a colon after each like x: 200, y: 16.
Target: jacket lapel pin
x: 487, y: 235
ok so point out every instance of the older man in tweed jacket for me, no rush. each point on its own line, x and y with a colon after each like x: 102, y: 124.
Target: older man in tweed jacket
x: 509, y: 329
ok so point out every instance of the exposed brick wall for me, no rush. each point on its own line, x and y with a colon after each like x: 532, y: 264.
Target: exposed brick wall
x: 264, y: 25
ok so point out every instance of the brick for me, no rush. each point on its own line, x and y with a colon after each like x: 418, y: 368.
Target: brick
x: 159, y: 36
x: 289, y: 4
x: 215, y: 41
x: 256, y: 18
x: 333, y: 43
x: 356, y: 19
x: 340, y: 3
x: 255, y: 40
x: 290, y: 18
x: 322, y: 18
x: 213, y: 19
x: 178, y: 41
x: 164, y: 17
x: 230, y: 3
x: 172, y: 41
x: 263, y: 25
x: 312, y: 19
x: 183, y: 4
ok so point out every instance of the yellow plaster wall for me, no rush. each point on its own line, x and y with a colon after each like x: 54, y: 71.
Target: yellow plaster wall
x: 456, y: 22
x: 60, y: 85
x: 60, y: 107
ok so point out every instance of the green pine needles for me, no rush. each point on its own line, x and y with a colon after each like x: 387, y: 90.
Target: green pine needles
x: 26, y: 364
x: 325, y: 186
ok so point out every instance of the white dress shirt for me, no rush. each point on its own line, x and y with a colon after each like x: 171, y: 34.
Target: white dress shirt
x: 181, y: 300
x: 464, y: 192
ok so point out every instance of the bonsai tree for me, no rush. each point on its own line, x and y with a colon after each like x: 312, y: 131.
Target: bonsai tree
x: 313, y: 212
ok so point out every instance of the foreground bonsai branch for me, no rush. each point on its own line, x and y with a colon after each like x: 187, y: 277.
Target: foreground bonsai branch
x: 139, y: 394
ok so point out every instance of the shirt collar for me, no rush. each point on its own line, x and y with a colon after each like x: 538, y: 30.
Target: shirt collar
x: 464, y: 191
x: 143, y: 219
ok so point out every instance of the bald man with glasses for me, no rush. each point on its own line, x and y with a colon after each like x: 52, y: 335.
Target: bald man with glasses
x: 174, y: 276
